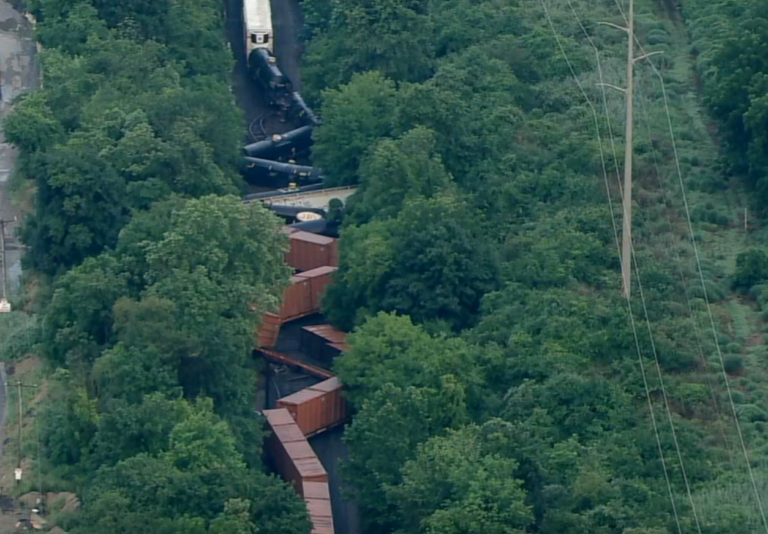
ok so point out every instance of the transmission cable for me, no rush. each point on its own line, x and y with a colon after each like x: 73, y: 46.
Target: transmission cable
x: 703, y: 285
x: 629, y: 304
x: 679, y: 262
x: 642, y: 296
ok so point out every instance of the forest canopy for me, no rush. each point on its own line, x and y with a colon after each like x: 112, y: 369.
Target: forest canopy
x: 479, y: 270
x: 155, y: 275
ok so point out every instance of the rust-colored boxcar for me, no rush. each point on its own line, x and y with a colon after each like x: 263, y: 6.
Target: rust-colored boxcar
x: 292, y: 457
x: 319, y: 278
x: 309, y: 251
x: 322, y: 341
x: 317, y: 408
x: 268, y: 331
x: 321, y: 515
x: 297, y: 299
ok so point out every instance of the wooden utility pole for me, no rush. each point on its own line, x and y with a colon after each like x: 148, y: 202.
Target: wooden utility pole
x: 629, y: 92
x: 626, y: 243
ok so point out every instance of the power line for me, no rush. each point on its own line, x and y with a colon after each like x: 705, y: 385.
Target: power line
x: 626, y: 194
x: 629, y: 304
x: 704, y: 289
x: 639, y: 280
x: 679, y: 263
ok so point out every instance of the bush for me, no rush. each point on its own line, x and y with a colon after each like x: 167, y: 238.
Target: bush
x: 751, y: 269
x: 752, y: 413
x: 658, y: 36
x: 733, y: 364
x: 18, y: 334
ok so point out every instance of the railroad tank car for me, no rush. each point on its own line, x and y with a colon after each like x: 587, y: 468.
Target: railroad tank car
x: 263, y: 68
x: 301, y: 112
x: 288, y: 144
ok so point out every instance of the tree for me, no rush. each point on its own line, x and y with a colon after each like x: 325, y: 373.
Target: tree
x: 390, y: 36
x: 388, y: 349
x: 473, y: 105
x: 385, y: 434
x: 32, y: 125
x: 751, y: 269
x: 453, y: 486
x: 81, y: 311
x: 354, y: 117
x: 398, y: 170
x: 80, y: 206
x: 196, y: 478
x: 66, y: 24
x: 433, y: 262
x: 127, y: 428
x: 393, y: 37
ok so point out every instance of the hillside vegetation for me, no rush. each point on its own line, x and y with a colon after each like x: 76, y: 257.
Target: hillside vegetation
x: 154, y: 275
x: 500, y: 381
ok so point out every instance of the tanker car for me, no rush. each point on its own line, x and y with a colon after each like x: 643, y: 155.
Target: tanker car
x: 263, y: 68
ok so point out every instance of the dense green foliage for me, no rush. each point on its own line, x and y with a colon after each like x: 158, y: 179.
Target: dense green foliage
x: 731, y: 40
x: 508, y: 388
x: 122, y: 121
x: 146, y: 329
x: 159, y: 276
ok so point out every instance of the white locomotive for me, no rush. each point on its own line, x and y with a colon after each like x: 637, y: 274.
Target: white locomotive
x: 258, y: 25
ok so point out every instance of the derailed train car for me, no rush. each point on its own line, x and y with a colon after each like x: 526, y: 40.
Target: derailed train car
x: 263, y: 68
x: 300, y: 111
x: 289, y: 144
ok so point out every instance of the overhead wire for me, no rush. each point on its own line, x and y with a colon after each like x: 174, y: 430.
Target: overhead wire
x: 703, y: 284
x: 629, y: 304
x: 640, y: 287
x: 679, y: 264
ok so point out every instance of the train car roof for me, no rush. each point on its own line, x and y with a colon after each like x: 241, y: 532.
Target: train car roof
x: 258, y: 15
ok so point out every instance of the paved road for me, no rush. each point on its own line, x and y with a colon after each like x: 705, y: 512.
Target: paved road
x: 18, y: 74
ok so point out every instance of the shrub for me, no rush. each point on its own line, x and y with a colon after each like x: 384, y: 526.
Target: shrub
x: 751, y: 269
x: 18, y: 334
x: 733, y: 364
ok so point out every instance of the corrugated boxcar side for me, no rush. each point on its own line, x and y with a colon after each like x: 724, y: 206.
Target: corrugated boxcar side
x: 268, y: 331
x: 321, y: 515
x: 318, y: 499
x: 333, y: 255
x: 297, y: 299
x: 320, y: 279
x: 290, y: 452
x: 318, y: 407
x: 309, y: 251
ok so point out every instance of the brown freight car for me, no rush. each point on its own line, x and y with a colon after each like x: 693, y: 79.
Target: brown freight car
x: 323, y: 341
x: 297, y: 299
x: 317, y: 408
x: 268, y: 331
x: 309, y: 251
x: 321, y: 515
x: 319, y: 278
x: 292, y: 457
